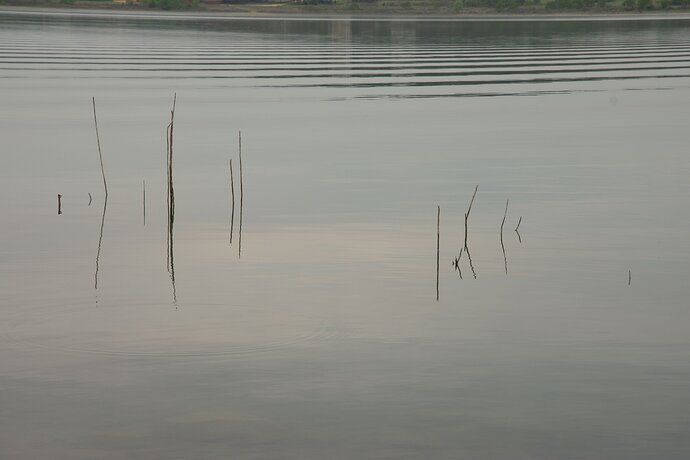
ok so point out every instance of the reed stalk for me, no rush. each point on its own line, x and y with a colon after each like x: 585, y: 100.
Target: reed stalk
x: 467, y: 214
x: 239, y: 246
x: 98, y: 142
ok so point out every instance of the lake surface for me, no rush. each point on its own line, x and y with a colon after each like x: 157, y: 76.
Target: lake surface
x: 323, y: 338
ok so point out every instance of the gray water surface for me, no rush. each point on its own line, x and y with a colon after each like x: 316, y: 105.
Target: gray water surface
x: 323, y: 338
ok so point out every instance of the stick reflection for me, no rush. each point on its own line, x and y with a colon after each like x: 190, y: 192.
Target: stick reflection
x: 456, y: 263
x: 171, y: 201
x: 100, y: 241
x: 438, y: 246
x: 232, y: 192
x: 516, y: 229
x: 503, y: 247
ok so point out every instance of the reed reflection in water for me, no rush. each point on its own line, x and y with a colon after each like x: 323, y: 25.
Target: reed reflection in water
x: 171, y: 201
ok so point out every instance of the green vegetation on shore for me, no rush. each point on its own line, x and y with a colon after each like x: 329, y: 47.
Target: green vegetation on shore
x: 111, y: 4
x: 455, y: 7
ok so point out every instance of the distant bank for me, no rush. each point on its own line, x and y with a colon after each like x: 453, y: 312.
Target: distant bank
x: 442, y: 8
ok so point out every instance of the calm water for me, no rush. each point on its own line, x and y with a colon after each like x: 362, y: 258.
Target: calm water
x: 325, y: 340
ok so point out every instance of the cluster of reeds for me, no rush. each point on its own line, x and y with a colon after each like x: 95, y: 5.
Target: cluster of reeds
x: 171, y: 211
x: 170, y: 197
x: 465, y: 249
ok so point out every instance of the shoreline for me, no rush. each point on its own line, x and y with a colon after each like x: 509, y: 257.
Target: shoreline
x: 296, y: 11
x: 211, y: 13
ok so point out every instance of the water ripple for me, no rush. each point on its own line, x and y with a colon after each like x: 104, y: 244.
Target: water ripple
x: 347, y: 64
